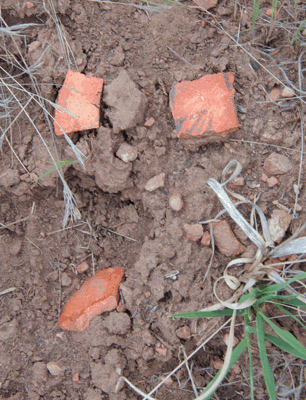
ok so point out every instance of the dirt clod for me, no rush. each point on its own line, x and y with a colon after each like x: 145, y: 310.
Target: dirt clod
x: 126, y: 103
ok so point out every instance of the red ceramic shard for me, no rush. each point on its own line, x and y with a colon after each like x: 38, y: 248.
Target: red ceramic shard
x: 95, y: 296
x: 204, y: 107
x: 80, y: 95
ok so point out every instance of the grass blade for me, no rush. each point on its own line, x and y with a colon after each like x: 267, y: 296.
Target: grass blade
x: 289, y: 314
x: 268, y: 376
x: 247, y: 337
x: 285, y: 335
x: 280, y: 286
x: 282, y: 344
x: 58, y: 165
x: 207, y: 314
x: 297, y: 32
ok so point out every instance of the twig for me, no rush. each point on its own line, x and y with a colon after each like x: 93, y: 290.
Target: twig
x: 119, y: 234
x: 34, y: 245
x: 265, y: 144
x: 65, y: 229
x: 183, y: 59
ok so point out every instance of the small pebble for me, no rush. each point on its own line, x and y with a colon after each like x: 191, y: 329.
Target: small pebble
x: 226, y: 240
x: 277, y: 164
x: 79, y: 61
x: 206, y: 239
x: 194, y: 232
x: 275, y: 94
x: 239, y: 181
x: 155, y: 182
x: 169, y: 381
x: 127, y: 153
x: 218, y: 364
x: 183, y: 332
x: 149, y: 122
x: 161, y: 350
x: 76, y: 377
x: 33, y: 46
x: 176, y: 202
x: 82, y: 267
x: 55, y: 368
x: 272, y: 181
x: 287, y: 92
x: 264, y: 177
x: 226, y: 340
x: 66, y: 280
x: 278, y: 225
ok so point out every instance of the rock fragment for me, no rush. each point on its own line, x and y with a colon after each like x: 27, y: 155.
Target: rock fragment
x: 183, y: 332
x: 55, y: 368
x: 287, y: 92
x: 225, y: 240
x: 82, y: 267
x: 277, y: 164
x: 206, y: 239
x: 155, y: 182
x: 194, y: 232
x: 176, y: 202
x: 127, y: 153
x: 278, y: 224
x: 66, y: 280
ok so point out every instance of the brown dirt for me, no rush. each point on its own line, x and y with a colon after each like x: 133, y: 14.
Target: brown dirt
x: 36, y: 252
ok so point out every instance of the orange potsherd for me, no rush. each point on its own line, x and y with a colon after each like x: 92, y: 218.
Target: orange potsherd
x: 97, y: 295
x: 80, y: 96
x: 204, y: 107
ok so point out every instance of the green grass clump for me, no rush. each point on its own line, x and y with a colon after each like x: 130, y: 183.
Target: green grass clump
x: 283, y: 339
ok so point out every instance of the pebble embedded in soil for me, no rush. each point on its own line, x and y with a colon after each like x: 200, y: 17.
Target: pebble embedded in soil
x: 206, y: 239
x: 82, y: 267
x: 161, y: 349
x: 194, y: 232
x: 55, y: 368
x: 207, y: 4
x: 66, y: 280
x: 183, y: 332
x: 226, y: 340
x: 127, y: 153
x: 277, y: 164
x: 287, y: 92
x: 149, y: 122
x: 278, y: 224
x: 272, y: 181
x: 76, y: 377
x: 155, y: 182
x: 274, y: 95
x: 225, y: 239
x: 176, y: 202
